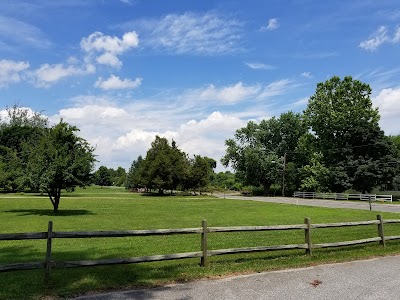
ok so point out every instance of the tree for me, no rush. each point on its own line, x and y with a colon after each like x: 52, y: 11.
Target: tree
x: 163, y: 167
x: 133, y: 179
x: 119, y: 177
x: 347, y: 134
x: 19, y: 130
x: 102, y: 177
x: 200, y: 172
x: 60, y: 160
x: 258, y: 151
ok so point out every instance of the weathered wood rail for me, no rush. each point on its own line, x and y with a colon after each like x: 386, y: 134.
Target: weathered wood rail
x: 204, y: 252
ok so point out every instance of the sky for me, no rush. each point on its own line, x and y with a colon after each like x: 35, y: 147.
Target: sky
x: 124, y: 71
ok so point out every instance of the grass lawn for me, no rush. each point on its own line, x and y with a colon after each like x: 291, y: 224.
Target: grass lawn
x: 115, y: 209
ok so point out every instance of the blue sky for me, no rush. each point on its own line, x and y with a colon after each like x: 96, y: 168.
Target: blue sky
x: 125, y: 70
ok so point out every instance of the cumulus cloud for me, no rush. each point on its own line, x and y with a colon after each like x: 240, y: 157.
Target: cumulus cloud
x: 388, y: 102
x: 10, y: 71
x: 106, y: 48
x: 48, y: 74
x: 273, y: 24
x: 380, y: 37
x: 259, y: 66
x: 191, y: 33
x: 115, y: 83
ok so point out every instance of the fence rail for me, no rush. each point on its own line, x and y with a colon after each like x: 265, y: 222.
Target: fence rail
x: 205, y: 252
x: 344, y: 196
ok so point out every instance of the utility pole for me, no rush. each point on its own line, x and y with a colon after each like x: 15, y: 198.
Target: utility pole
x: 283, y: 175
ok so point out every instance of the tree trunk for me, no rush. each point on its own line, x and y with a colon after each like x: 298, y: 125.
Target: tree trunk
x: 266, y: 186
x: 56, y: 203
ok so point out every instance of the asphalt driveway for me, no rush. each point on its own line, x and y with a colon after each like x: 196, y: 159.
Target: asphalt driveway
x: 371, y: 279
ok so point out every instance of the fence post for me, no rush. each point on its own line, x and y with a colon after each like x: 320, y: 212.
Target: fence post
x: 307, y: 235
x: 381, y: 232
x: 203, y: 261
x: 48, y: 253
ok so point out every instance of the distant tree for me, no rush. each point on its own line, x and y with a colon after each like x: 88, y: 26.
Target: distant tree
x: 156, y: 170
x: 200, y: 171
x: 225, y: 180
x: 102, y: 177
x: 119, y: 177
x: 133, y: 178
x: 60, y: 160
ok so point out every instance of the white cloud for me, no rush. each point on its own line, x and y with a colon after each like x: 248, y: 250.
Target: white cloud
x: 191, y: 33
x: 388, y: 102
x: 109, y: 59
x: 115, y: 83
x: 10, y: 71
x: 306, y: 75
x: 106, y: 48
x: 275, y: 88
x: 380, y: 37
x: 92, y: 113
x: 376, y: 39
x: 47, y: 74
x: 396, y: 38
x: 227, y: 94
x: 272, y: 25
x: 259, y: 66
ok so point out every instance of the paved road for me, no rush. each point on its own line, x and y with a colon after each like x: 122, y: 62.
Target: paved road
x: 364, y: 205
x: 367, y: 280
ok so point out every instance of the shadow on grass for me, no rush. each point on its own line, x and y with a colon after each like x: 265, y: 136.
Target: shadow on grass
x: 66, y: 283
x: 49, y: 212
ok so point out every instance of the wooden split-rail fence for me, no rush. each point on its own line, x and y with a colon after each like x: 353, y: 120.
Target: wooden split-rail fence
x: 203, y: 254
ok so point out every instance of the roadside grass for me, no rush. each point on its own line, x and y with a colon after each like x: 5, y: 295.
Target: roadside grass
x: 97, y: 208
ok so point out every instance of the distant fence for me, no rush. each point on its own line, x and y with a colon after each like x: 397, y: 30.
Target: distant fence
x: 344, y: 196
x: 204, y: 252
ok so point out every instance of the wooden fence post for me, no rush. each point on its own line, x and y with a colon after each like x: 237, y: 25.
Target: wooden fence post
x: 203, y: 262
x: 381, y: 232
x: 48, y: 253
x: 307, y: 235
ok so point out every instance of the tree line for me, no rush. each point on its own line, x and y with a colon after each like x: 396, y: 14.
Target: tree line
x: 335, y: 145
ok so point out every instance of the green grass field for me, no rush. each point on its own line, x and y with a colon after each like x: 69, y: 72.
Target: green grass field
x: 115, y: 209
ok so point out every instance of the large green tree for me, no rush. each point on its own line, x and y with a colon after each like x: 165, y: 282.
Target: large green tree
x: 163, y: 167
x: 60, y: 160
x: 258, y: 152
x: 346, y: 132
